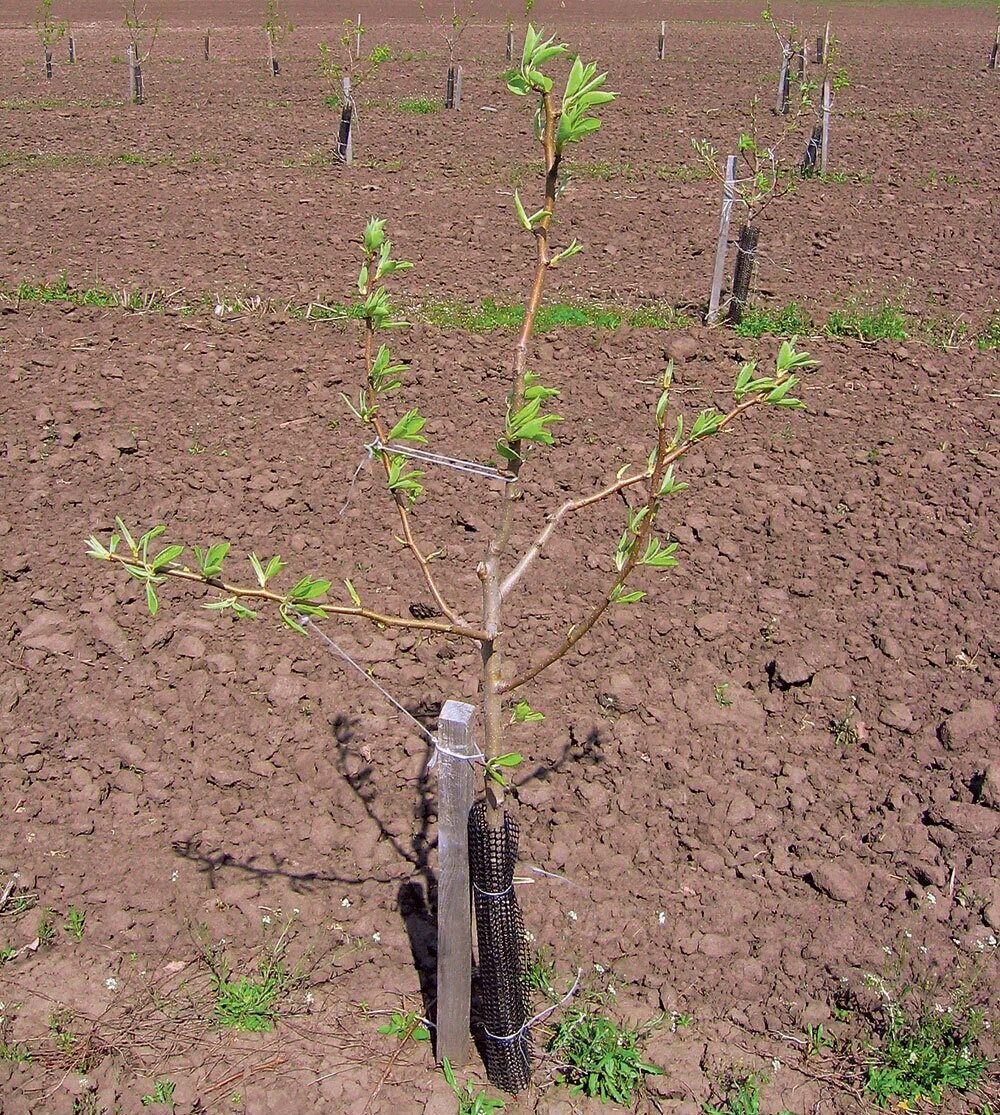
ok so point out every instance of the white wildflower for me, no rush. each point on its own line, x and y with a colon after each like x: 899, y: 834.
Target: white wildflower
x: 571, y: 914
x: 661, y: 917
x: 377, y: 937
x: 111, y: 983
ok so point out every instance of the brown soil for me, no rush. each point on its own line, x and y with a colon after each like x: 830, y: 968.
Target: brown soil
x: 714, y: 851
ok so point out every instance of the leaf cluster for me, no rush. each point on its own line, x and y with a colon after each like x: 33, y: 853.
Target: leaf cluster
x: 471, y: 1100
x: 356, y: 66
x: 276, y: 24
x: 599, y: 1058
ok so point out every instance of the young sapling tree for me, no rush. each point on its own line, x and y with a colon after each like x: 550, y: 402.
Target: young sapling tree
x: 451, y: 29
x: 49, y: 31
x: 141, y: 40
x: 766, y: 172
x: 277, y: 27
x: 526, y: 423
x: 345, y: 77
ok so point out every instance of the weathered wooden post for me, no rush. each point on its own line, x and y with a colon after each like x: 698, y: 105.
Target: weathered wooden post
x: 801, y: 52
x: 453, y: 87
x: 661, y: 42
x: 995, y: 51
x: 825, y: 141
x: 272, y: 63
x: 454, y: 907
x: 48, y: 62
x: 345, y: 139
x: 357, y: 38
x: 784, y: 78
x: 130, y: 63
x: 746, y: 257
x: 208, y: 45
x: 71, y: 45
x: 510, y: 43
x: 728, y: 197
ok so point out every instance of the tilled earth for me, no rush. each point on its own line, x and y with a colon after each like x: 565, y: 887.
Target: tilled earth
x: 774, y: 777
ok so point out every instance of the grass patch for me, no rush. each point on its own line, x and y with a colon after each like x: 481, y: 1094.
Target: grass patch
x: 886, y: 322
x: 418, y: 106
x: 790, y: 321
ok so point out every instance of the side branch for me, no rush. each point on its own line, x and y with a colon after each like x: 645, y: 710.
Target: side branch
x: 554, y: 520
x: 144, y: 571
x: 665, y: 456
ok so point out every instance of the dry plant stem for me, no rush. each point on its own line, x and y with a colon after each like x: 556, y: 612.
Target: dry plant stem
x: 400, y: 498
x: 663, y: 459
x: 244, y: 592
x: 489, y: 569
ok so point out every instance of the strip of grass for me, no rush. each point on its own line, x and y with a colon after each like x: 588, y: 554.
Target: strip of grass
x: 490, y: 315
x: 759, y: 321
x: 989, y: 338
x: 885, y: 322
x: 418, y: 106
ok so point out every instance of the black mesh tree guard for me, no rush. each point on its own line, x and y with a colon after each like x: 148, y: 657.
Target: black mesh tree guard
x: 808, y: 167
x: 502, y: 955
x: 746, y: 254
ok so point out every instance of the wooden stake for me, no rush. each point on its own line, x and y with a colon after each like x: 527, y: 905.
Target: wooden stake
x: 48, y: 62
x: 728, y: 197
x: 357, y: 38
x: 510, y: 44
x: 130, y: 62
x: 661, y: 43
x: 826, y: 43
x: 345, y: 138
x: 827, y: 106
x: 208, y: 45
x: 454, y: 912
x: 272, y: 62
x: 995, y: 51
x: 781, y: 99
x: 71, y: 42
x: 801, y: 51
x: 137, y: 75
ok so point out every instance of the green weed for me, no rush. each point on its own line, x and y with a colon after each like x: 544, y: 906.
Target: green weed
x: 471, y: 1101
x: 883, y: 323
x: 922, y: 1052
x: 845, y: 733
x: 540, y: 974
x: 600, y: 1058
x: 789, y: 321
x: 16, y: 1054
x: 163, y: 1092
x: 74, y: 924
x: 989, y: 336
x: 249, y: 1004
x: 682, y: 173
x: 46, y: 932
x: 403, y: 1025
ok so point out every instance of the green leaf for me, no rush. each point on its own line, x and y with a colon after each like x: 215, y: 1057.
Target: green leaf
x: 96, y: 550
x: 574, y: 248
x: 129, y: 540
x: 524, y: 714
x: 289, y: 620
x: 353, y: 593
x: 620, y: 595
x: 165, y: 557
x: 522, y: 216
x: 308, y: 589
x: 151, y: 601
x: 408, y: 428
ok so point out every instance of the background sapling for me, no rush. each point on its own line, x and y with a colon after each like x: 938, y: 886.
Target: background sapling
x: 766, y: 171
x: 345, y: 76
x: 50, y: 31
x: 277, y: 27
x: 142, y: 38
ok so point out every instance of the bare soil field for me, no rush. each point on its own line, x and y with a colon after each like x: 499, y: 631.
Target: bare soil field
x: 760, y: 803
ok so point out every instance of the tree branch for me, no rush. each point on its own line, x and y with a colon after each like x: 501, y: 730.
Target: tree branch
x: 243, y: 592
